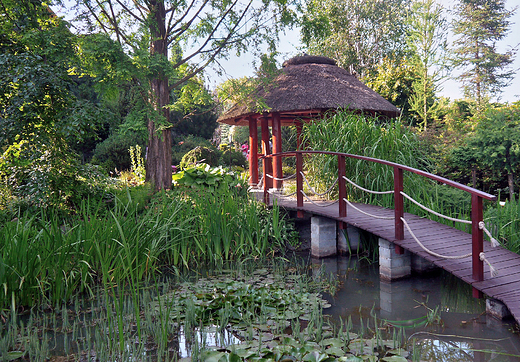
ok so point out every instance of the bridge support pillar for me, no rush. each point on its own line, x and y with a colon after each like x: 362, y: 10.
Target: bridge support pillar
x: 349, y: 240
x: 393, y: 266
x: 497, y: 309
x: 323, y: 237
x: 421, y: 265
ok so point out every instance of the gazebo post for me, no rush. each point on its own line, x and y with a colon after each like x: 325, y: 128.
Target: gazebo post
x: 299, y: 131
x: 266, y: 150
x: 277, y: 148
x: 253, y: 151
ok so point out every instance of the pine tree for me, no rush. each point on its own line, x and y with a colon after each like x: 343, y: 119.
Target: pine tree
x: 480, y: 24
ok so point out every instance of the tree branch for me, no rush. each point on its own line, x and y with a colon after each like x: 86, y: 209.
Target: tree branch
x: 140, y: 19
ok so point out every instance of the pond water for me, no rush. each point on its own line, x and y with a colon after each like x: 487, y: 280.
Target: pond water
x: 460, y: 326
x: 436, y: 314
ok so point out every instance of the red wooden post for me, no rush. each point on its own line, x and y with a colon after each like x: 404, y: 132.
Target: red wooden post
x: 299, y: 183
x: 266, y: 149
x: 477, y: 239
x: 253, y: 152
x: 342, y: 189
x: 299, y: 131
x: 277, y: 148
x: 398, y: 203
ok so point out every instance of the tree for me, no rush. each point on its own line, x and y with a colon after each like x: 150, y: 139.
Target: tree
x: 480, y: 24
x: 394, y: 80
x: 496, y: 142
x: 358, y: 34
x: 155, y: 31
x: 427, y: 40
x: 39, y: 113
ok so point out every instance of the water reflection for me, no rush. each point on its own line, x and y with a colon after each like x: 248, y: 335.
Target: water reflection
x: 437, y: 313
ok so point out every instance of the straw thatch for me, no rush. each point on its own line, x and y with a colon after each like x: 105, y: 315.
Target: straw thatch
x: 309, y: 86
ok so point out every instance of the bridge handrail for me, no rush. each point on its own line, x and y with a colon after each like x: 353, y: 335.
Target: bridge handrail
x: 477, y: 196
x: 437, y: 178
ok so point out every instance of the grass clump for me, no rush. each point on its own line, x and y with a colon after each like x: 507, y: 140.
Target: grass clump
x: 391, y: 140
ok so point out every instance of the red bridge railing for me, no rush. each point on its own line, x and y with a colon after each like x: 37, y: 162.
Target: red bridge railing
x: 477, y: 196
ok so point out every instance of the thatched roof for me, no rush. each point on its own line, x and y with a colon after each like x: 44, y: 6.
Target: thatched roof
x: 308, y: 86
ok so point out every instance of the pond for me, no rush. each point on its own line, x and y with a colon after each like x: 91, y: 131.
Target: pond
x: 294, y: 308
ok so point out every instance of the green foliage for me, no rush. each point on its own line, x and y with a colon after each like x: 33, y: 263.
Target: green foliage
x: 47, y: 175
x: 113, y: 153
x: 199, y: 154
x: 392, y: 141
x: 496, y: 141
x: 427, y: 40
x: 504, y: 223
x: 393, y: 79
x: 480, y: 24
x: 230, y: 157
x: 357, y: 34
x: 203, y: 176
x: 137, y: 162
x: 184, y: 144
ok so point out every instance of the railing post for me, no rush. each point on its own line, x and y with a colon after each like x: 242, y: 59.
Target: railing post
x: 477, y: 239
x: 398, y: 203
x: 342, y: 190
x: 299, y: 184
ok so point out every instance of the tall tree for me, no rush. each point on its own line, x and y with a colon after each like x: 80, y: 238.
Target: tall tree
x: 358, y: 34
x: 205, y: 30
x: 480, y: 24
x: 427, y: 39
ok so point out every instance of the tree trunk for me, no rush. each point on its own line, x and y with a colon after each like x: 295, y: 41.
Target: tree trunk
x: 511, y: 185
x: 159, y: 155
x: 474, y: 177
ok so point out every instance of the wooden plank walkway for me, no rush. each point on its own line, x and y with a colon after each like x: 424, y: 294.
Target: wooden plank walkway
x: 439, y: 238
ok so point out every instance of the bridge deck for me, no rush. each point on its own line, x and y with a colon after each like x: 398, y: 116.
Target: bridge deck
x: 439, y: 238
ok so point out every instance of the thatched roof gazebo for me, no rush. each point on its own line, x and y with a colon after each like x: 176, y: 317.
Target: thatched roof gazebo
x: 306, y: 88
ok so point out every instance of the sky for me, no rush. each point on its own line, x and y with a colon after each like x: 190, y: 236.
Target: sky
x: 289, y: 46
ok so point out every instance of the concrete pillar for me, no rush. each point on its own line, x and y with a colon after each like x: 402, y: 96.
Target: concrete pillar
x: 323, y: 237
x: 421, y: 265
x: 349, y: 240
x: 497, y: 309
x: 392, y: 265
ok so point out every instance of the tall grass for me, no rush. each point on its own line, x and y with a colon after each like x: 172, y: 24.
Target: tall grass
x: 45, y: 258
x: 387, y: 140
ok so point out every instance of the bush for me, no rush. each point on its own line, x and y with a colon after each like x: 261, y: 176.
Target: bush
x: 230, y: 157
x: 184, y: 144
x: 112, y: 154
x: 199, y: 154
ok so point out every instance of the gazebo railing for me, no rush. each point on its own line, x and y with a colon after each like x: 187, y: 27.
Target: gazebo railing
x: 477, y: 197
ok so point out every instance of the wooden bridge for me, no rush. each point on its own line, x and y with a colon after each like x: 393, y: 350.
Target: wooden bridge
x: 465, y: 255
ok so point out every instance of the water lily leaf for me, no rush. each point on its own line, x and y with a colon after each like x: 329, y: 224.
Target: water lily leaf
x: 399, y: 352
x: 212, y: 356
x: 316, y: 356
x: 370, y: 358
x: 335, y: 351
x: 350, y: 358
x: 333, y: 342
x: 11, y: 356
x: 394, y: 359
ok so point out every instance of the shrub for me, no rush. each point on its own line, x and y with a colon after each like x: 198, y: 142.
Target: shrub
x: 184, y: 144
x: 199, y: 154
x: 230, y: 157
x: 113, y: 153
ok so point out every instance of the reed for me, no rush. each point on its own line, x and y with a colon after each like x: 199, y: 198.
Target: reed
x: 392, y: 141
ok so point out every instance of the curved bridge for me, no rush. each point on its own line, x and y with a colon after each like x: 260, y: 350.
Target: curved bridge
x: 487, y: 267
